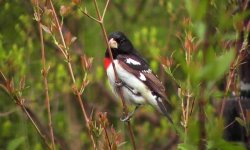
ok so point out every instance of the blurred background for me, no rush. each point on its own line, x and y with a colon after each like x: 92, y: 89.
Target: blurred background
x: 190, y: 44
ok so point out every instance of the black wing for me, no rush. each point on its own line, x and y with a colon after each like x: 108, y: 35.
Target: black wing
x: 137, y: 66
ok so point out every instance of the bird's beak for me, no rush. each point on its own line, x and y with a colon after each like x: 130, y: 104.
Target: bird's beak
x: 113, y: 43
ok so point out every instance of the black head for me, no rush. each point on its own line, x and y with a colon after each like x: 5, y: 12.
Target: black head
x: 119, y: 44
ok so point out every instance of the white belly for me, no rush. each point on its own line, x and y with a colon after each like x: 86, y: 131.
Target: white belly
x: 129, y: 79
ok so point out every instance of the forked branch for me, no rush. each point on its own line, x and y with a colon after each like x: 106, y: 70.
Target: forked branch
x: 64, y: 50
x: 9, y: 88
x: 100, y: 20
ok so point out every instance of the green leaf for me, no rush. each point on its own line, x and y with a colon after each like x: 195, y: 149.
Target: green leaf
x: 15, y: 143
x: 240, y: 121
x: 217, y: 67
x: 200, y: 29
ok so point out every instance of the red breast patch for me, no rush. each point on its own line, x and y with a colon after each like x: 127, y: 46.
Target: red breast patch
x: 107, y: 62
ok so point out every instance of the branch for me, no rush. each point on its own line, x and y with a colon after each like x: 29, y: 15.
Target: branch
x: 15, y: 96
x: 44, y: 74
x: 103, y: 122
x: 67, y: 57
x: 202, y: 122
x: 62, y: 40
x: 105, y: 9
x: 91, y: 17
x: 101, y: 22
x: 3, y: 114
x: 235, y: 64
x: 61, y: 142
x: 34, y: 124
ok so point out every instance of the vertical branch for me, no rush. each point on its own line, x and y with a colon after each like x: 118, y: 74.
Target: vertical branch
x: 63, y: 41
x: 107, y: 137
x: 187, y: 110
x: 240, y: 49
x: 202, y: 139
x: 44, y: 74
x: 125, y: 109
x: 100, y: 20
x: 105, y: 9
x: 86, y: 118
x: 189, y: 48
x: 67, y: 57
x: 103, y: 121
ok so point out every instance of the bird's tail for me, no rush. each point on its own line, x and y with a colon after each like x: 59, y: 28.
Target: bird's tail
x: 163, y: 110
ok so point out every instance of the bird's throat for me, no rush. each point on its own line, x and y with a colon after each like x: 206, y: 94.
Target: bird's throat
x: 107, y: 62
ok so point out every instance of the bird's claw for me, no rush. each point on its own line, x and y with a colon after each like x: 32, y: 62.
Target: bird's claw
x: 129, y: 116
x: 118, y: 83
x: 126, y: 118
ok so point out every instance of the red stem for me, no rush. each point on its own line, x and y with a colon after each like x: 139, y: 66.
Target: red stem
x: 44, y: 74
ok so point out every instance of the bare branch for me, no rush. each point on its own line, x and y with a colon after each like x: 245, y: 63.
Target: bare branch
x: 67, y: 56
x: 3, y: 114
x: 44, y: 74
x: 125, y: 109
x: 103, y: 122
x: 91, y: 17
x: 105, y: 9
x: 19, y: 101
x: 63, y: 40
x: 35, y: 125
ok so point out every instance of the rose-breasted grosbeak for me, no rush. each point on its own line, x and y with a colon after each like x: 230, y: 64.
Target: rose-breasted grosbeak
x: 139, y: 85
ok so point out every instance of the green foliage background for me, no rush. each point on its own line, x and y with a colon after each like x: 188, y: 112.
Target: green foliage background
x: 158, y: 29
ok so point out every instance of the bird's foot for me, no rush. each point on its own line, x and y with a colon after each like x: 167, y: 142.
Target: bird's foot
x: 127, y: 118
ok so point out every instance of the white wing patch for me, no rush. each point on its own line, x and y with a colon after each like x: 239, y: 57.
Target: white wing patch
x: 157, y: 98
x: 142, y: 77
x: 132, y: 61
x: 147, y: 71
x: 244, y: 86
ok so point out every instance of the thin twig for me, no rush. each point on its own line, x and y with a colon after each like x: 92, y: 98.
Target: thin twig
x: 44, y: 74
x: 35, y: 125
x: 187, y: 109
x: 72, y: 76
x: 188, y: 93
x: 86, y: 118
x: 105, y: 9
x: 240, y: 48
x: 231, y: 75
x: 3, y: 114
x: 192, y: 107
x: 61, y: 49
x: 125, y: 109
x: 229, y: 124
x: 241, y: 109
x: 202, y: 140
x: 183, y: 112
x: 19, y: 101
x: 103, y: 123
x: 57, y: 23
x: 91, y: 17
x: 107, y: 137
x: 62, y: 40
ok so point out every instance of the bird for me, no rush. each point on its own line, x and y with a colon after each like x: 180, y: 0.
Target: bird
x: 138, y: 84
